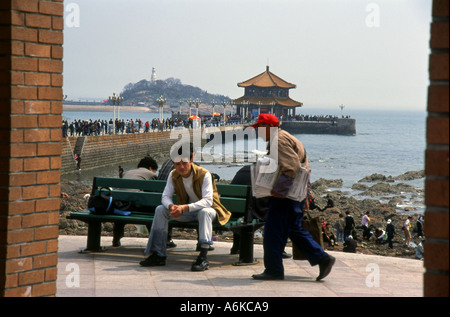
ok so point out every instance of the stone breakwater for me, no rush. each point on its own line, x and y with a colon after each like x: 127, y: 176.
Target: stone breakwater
x: 73, y: 193
x: 339, y: 126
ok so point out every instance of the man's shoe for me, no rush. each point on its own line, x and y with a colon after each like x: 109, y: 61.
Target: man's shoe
x: 171, y: 244
x: 267, y: 277
x: 286, y: 255
x: 325, y: 266
x: 116, y: 242
x: 201, y: 264
x: 154, y: 260
x: 199, y: 248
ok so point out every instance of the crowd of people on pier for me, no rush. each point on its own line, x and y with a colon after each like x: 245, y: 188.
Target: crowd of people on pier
x: 91, y: 127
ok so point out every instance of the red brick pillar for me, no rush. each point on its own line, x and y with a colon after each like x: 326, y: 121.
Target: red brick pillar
x: 436, y: 248
x: 31, y: 38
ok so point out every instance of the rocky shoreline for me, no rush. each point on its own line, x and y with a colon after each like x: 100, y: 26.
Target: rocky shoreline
x: 386, y: 194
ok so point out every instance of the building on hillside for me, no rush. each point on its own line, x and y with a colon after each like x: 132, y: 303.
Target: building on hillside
x: 266, y: 93
x: 153, y: 78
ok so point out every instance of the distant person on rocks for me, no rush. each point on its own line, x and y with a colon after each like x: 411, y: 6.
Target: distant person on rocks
x: 339, y: 226
x: 368, y: 232
x: 146, y: 170
x: 365, y: 225
x: 419, y: 226
x: 406, y: 229
x: 350, y: 245
x: 329, y: 236
x: 380, y: 236
x: 330, y: 203
x: 420, y: 250
x: 390, y: 231
x: 349, y: 225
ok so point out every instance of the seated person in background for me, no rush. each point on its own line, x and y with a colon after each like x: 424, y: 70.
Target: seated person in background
x: 197, y: 200
x: 328, y: 235
x: 146, y: 170
x: 367, y: 233
x: 380, y: 236
x: 350, y: 245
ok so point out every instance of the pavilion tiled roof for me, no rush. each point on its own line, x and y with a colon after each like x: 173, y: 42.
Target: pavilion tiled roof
x: 268, y: 101
x: 267, y: 79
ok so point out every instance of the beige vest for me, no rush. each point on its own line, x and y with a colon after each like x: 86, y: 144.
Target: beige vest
x: 223, y: 215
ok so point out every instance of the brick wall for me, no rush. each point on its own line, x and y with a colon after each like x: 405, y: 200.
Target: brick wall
x: 31, y: 36
x: 436, y: 157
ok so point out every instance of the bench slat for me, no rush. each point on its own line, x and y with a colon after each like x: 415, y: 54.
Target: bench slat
x: 125, y: 183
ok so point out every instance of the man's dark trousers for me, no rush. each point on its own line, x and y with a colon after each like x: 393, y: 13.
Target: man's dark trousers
x: 284, y: 220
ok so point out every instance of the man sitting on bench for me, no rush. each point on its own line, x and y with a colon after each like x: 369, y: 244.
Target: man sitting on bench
x: 197, y: 200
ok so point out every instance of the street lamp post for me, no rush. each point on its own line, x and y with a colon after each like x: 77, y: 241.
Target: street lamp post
x: 180, y: 102
x: 245, y: 103
x: 213, y: 103
x: 342, y: 110
x: 115, y: 100
x: 224, y: 109
x: 119, y: 101
x: 189, y: 102
x: 161, y: 101
x: 197, y: 103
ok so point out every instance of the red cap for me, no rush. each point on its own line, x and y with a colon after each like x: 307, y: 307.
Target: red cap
x: 267, y: 118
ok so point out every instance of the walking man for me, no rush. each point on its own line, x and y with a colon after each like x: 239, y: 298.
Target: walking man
x: 284, y: 219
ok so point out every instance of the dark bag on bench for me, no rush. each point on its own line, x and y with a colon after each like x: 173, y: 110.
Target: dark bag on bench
x: 104, y: 204
x: 101, y: 204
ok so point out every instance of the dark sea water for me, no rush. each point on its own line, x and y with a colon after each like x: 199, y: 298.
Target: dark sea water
x: 388, y: 142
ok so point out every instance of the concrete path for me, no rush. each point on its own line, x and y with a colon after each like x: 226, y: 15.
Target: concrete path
x: 117, y: 273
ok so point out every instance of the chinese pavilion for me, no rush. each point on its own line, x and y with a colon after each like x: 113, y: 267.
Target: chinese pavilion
x: 266, y: 93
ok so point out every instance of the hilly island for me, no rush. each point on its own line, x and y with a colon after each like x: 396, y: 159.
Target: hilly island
x: 145, y: 93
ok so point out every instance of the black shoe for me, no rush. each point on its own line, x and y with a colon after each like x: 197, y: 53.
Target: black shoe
x: 201, y: 264
x: 171, y: 244
x: 154, y: 260
x: 210, y: 248
x: 267, y: 277
x: 285, y: 255
x: 325, y: 266
x: 116, y: 243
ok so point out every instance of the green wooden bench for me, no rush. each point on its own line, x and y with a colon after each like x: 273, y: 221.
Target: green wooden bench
x: 234, y: 197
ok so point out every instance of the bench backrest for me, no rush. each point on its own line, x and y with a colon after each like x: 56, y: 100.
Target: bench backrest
x: 149, y: 193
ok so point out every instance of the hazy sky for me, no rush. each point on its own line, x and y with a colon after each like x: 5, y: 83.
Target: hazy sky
x: 363, y: 54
